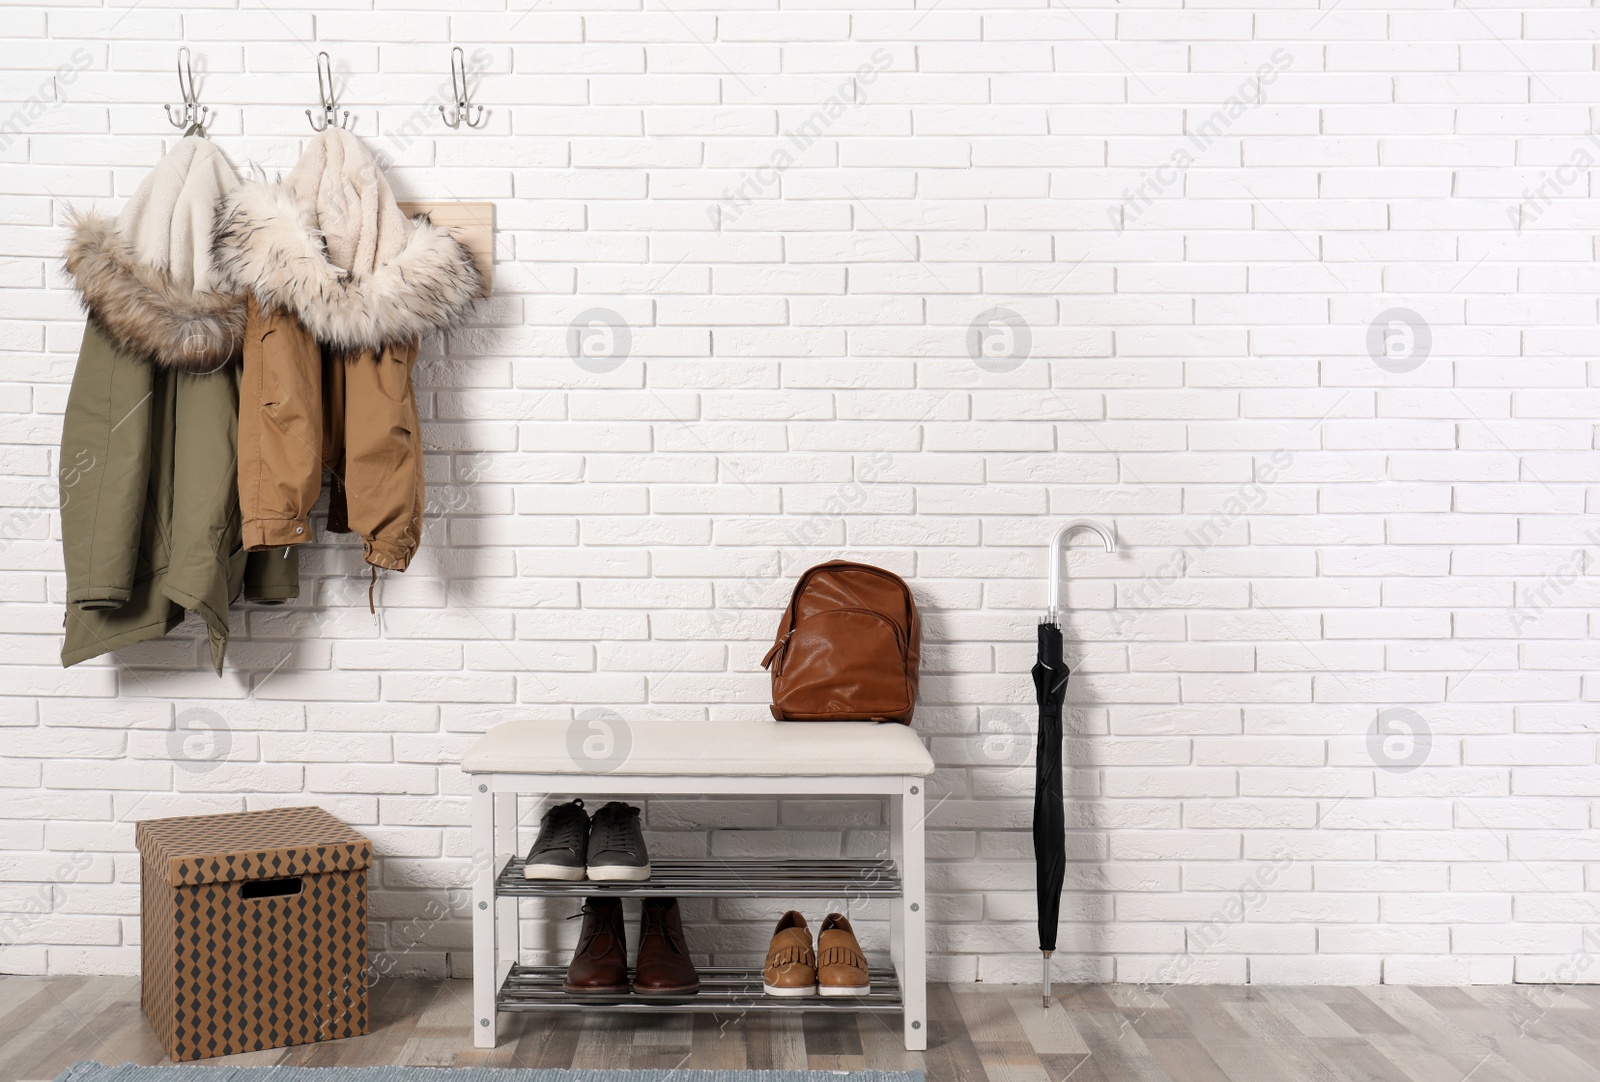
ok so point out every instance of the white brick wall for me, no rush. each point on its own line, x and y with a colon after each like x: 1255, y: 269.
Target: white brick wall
x: 1201, y: 221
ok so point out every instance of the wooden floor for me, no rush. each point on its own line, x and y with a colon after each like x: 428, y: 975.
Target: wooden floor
x: 981, y: 1033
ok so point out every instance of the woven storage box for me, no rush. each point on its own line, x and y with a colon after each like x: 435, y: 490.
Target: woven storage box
x: 254, y: 929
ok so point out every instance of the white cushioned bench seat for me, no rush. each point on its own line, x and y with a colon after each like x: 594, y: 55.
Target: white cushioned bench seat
x: 755, y: 748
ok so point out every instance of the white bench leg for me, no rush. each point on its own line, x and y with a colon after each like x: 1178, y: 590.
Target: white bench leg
x: 908, y: 926
x: 484, y: 863
x: 508, y: 930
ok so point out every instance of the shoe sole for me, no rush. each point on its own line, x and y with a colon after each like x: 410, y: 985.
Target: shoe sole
x: 551, y: 871
x: 621, y: 990
x: 686, y: 990
x: 788, y: 993
x: 845, y: 990
x: 619, y: 874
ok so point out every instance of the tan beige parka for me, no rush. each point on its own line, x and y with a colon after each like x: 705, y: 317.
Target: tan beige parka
x: 342, y: 286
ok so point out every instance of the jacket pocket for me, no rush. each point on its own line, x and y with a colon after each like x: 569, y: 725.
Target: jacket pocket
x: 394, y: 371
x: 287, y: 383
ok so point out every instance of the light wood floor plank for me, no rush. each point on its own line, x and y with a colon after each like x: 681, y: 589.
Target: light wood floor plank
x: 604, y: 1041
x: 36, y: 999
x: 545, y: 1040
x: 1308, y: 1010
x: 1363, y: 1014
x: 1117, y: 1049
x: 883, y: 1045
x: 989, y: 1018
x: 1443, y: 1031
x: 1205, y: 1012
x: 977, y: 1033
x: 1185, y: 1059
x: 1259, y: 1061
x: 831, y: 1034
x: 1001, y: 1043
x: 444, y: 1014
x: 76, y: 1020
x: 785, y: 1045
x: 950, y: 1054
x: 1355, y: 1060
x: 1050, y: 1032
x: 719, y: 1043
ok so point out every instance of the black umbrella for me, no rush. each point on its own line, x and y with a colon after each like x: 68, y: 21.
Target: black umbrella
x: 1049, y: 815
x: 1049, y: 802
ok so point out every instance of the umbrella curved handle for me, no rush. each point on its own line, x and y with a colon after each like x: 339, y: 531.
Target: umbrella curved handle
x: 1058, y: 552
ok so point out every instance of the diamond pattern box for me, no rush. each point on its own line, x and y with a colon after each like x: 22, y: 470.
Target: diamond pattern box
x: 254, y: 930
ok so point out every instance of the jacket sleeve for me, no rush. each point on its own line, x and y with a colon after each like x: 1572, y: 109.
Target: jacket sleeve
x: 272, y: 576
x: 104, y: 472
x: 382, y: 465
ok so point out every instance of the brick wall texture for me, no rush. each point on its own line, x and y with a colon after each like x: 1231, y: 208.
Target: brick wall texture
x: 1299, y: 300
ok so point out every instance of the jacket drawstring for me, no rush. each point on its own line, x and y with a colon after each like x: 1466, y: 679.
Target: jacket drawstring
x: 370, y: 587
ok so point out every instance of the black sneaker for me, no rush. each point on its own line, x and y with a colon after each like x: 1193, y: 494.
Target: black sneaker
x: 563, y: 840
x: 616, y: 845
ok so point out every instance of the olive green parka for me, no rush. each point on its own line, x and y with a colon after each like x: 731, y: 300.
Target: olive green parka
x: 150, y: 521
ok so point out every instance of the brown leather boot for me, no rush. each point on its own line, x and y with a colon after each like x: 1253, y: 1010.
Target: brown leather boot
x: 663, y: 967
x: 600, y: 964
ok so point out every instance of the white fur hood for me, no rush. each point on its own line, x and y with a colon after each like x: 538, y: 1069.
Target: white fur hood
x: 330, y: 245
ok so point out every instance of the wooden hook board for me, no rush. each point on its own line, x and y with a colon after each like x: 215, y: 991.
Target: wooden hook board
x: 472, y: 222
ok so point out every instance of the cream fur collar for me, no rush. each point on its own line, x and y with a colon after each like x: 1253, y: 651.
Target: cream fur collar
x: 267, y: 242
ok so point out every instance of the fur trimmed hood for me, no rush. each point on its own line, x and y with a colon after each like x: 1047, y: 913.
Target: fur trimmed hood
x: 267, y: 243
x: 142, y: 309
x: 330, y: 245
x: 145, y: 277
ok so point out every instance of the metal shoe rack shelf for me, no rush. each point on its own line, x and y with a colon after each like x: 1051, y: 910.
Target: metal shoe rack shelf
x: 722, y: 989
x: 503, y: 984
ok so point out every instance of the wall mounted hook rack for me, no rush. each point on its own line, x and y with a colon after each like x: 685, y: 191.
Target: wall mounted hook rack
x: 330, y: 104
x: 462, y: 110
x: 192, y: 114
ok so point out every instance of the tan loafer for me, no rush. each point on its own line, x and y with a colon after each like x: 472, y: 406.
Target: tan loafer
x: 791, y: 968
x: 841, y: 967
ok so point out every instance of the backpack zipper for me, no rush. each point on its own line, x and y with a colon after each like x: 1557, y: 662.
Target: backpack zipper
x: 781, y: 644
x: 766, y: 662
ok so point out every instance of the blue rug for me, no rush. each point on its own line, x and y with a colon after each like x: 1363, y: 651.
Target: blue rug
x: 96, y: 1072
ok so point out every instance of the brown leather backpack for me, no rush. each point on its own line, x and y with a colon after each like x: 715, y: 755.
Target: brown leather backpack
x: 848, y: 647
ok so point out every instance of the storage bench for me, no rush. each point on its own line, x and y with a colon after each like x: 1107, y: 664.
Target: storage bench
x: 605, y: 756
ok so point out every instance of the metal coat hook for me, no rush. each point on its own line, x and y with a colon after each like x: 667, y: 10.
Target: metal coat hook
x: 193, y: 114
x: 330, y: 104
x: 458, y: 86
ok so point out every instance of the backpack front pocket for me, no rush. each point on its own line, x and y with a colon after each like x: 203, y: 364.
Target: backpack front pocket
x: 843, y: 664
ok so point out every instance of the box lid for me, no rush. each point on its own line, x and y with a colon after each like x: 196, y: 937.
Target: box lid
x: 267, y: 844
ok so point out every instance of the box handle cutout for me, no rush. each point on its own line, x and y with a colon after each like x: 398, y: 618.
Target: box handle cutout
x: 270, y: 888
